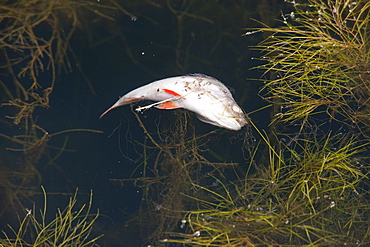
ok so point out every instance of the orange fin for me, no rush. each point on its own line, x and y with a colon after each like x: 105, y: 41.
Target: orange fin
x: 171, y: 92
x: 167, y: 105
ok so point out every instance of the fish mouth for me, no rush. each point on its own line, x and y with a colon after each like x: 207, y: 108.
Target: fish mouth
x: 241, y: 121
x: 236, y: 124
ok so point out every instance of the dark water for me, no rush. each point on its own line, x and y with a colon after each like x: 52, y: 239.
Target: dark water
x: 124, y: 55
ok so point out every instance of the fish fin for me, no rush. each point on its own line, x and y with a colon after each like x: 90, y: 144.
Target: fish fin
x: 167, y: 105
x: 118, y: 104
x: 171, y: 92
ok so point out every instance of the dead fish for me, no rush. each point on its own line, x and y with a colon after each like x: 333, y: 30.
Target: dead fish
x: 206, y: 96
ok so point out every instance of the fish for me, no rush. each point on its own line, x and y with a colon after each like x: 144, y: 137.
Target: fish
x: 207, y: 97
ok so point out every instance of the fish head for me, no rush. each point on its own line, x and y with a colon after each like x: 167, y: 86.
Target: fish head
x: 227, y: 114
x: 213, y: 103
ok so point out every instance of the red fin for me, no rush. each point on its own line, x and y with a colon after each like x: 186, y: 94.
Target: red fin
x: 171, y: 92
x: 167, y: 105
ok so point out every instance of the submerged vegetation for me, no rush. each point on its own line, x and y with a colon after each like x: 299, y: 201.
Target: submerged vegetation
x: 34, y: 50
x: 313, y: 188
x: 308, y: 194
x: 320, y: 60
x: 304, y: 182
x: 70, y: 227
x: 171, y: 183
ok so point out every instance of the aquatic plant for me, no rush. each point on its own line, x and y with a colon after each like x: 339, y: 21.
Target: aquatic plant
x: 174, y: 163
x: 71, y: 226
x: 34, y: 50
x: 312, y: 189
x: 318, y: 60
x: 35, y: 44
x: 289, y: 202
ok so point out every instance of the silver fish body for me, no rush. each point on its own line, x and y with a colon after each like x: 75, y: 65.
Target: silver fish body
x: 204, y: 95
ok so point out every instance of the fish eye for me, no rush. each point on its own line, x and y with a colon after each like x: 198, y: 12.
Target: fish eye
x: 236, y: 109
